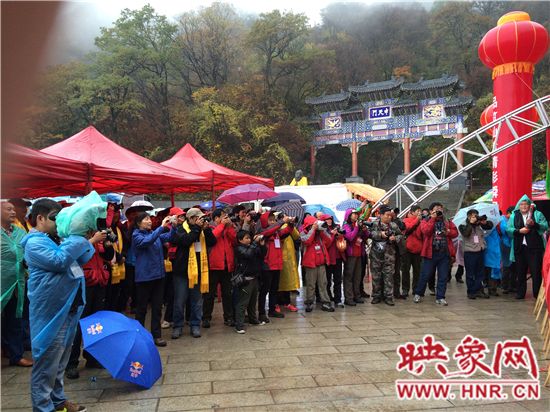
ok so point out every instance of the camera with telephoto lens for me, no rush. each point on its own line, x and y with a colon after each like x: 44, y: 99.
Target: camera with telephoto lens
x: 341, y: 231
x: 484, y: 217
x: 322, y: 223
x: 254, y: 217
x: 234, y: 219
x: 390, y: 233
x: 369, y: 223
x: 102, y: 227
x: 425, y: 215
x: 111, y: 237
x: 206, y: 218
x: 439, y: 213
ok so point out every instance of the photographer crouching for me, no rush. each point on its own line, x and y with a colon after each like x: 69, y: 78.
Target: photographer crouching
x: 385, y: 236
x: 474, y: 246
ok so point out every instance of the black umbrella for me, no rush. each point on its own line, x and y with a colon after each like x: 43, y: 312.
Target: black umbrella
x: 292, y: 209
x: 283, y: 198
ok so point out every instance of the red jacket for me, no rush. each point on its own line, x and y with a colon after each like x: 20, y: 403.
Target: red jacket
x: 274, y: 234
x: 315, y: 245
x: 414, y: 235
x: 226, y: 239
x: 427, y: 226
x: 94, y: 269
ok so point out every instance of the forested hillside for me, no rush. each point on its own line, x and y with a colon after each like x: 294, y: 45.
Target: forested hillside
x: 234, y: 87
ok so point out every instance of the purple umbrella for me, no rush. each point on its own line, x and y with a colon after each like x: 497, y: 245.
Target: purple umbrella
x: 246, y: 193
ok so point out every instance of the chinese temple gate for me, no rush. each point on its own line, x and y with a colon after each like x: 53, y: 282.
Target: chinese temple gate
x: 390, y: 110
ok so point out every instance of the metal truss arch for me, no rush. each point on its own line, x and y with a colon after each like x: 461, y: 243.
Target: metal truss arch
x: 440, y: 178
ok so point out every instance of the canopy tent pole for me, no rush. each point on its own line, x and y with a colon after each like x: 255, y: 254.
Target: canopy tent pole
x: 172, y: 199
x: 90, y: 182
x: 213, y: 198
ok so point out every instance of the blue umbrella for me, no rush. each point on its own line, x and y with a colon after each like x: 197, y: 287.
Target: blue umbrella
x: 283, y: 197
x: 124, y: 347
x: 348, y: 204
x: 311, y: 209
x: 208, y: 205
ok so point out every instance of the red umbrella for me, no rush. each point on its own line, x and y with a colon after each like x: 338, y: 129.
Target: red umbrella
x: 246, y: 193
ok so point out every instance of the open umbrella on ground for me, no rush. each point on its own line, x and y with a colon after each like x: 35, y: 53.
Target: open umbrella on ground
x: 348, y: 204
x: 311, y: 209
x: 283, y: 197
x: 124, y: 347
x: 208, y: 205
x: 292, y: 209
x: 247, y: 193
x: 491, y: 210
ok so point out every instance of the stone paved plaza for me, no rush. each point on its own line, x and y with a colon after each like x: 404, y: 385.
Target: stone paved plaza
x: 341, y: 361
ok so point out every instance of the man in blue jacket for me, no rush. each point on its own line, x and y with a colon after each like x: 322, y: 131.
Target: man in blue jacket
x: 57, y: 297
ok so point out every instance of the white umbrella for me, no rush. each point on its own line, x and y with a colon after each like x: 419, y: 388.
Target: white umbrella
x: 491, y: 210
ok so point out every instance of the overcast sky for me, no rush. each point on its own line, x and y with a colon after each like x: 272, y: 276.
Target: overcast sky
x: 78, y: 22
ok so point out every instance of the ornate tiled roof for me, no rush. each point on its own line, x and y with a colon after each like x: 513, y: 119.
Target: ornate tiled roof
x: 405, y: 103
x: 332, y: 98
x: 354, y: 109
x: 459, y: 101
x: 376, y: 87
x: 442, y: 82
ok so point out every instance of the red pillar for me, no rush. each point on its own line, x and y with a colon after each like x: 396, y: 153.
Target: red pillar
x: 312, y: 162
x: 407, y: 165
x: 354, y: 159
x: 459, y: 154
x: 172, y: 199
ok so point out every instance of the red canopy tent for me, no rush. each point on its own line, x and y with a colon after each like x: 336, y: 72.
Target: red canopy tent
x: 187, y: 159
x: 29, y: 173
x: 115, y: 169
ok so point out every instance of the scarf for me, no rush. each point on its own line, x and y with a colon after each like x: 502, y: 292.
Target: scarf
x: 118, y: 271
x: 192, y: 267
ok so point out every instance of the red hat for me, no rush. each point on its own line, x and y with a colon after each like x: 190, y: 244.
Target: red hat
x: 176, y: 211
x: 325, y: 217
x: 309, y: 220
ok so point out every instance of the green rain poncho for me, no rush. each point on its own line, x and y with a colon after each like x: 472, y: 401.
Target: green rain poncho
x: 13, y: 270
x: 538, y: 217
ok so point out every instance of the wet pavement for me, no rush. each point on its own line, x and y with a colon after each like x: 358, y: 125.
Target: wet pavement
x: 318, y: 361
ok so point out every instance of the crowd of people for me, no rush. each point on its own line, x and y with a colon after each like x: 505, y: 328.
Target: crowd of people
x: 179, y: 260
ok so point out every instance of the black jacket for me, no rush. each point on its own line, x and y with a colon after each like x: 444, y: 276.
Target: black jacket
x: 185, y: 241
x: 534, y: 240
x: 250, y: 257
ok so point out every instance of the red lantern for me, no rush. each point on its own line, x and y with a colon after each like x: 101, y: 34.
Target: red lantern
x: 487, y: 117
x: 511, y: 50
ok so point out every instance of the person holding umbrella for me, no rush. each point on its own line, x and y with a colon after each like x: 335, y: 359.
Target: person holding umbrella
x: 150, y: 272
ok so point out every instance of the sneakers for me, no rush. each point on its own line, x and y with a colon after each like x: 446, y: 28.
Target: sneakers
x: 228, y: 322
x: 309, y: 307
x: 471, y: 296
x: 459, y: 280
x: 176, y: 334
x: 70, y: 407
x: 481, y: 294
x: 432, y: 292
x: 364, y: 294
x: 504, y: 292
x: 277, y: 309
x: 291, y: 308
x: 206, y: 324
x: 359, y: 300
x: 350, y: 303
x: 275, y: 314
x: 160, y: 342
x: 165, y: 325
x: 264, y: 318
x: 240, y: 329
x: 327, y: 307
x: 257, y: 322
x: 375, y: 301
x: 195, y: 332
x: 416, y: 298
x: 340, y: 305
x: 441, y: 302
x: 72, y: 373
x: 400, y: 297
x: 389, y: 302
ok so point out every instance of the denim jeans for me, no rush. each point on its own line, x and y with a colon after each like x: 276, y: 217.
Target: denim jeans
x: 439, y: 261
x: 47, y: 372
x: 181, y: 292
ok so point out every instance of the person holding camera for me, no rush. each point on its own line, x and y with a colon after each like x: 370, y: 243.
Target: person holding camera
x: 385, y: 235
x: 316, y: 240
x: 242, y: 220
x: 221, y: 265
x: 57, y: 295
x: 526, y: 227
x: 356, y: 236
x: 472, y: 230
x: 274, y: 234
x: 334, y: 264
x: 412, y: 257
x: 190, y: 270
x: 249, y: 256
x: 97, y: 278
x: 437, y: 250
x: 150, y: 270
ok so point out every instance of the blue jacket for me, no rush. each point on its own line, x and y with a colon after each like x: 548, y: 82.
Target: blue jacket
x: 52, y: 287
x: 147, y: 247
